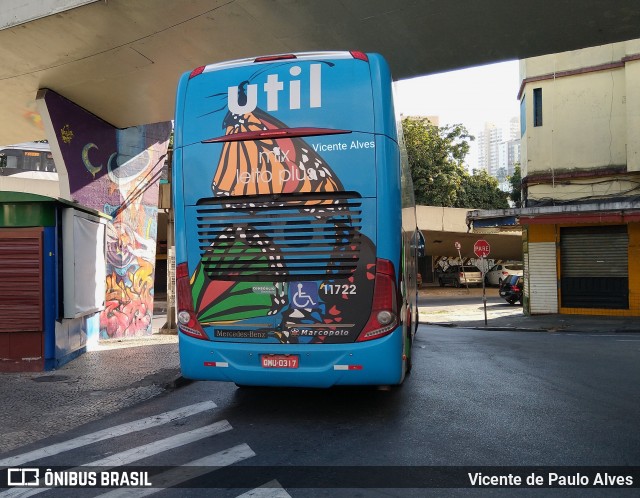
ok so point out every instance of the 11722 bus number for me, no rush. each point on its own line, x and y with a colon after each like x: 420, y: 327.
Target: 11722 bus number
x: 337, y: 289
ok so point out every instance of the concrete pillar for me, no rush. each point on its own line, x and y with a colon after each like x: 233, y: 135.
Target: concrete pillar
x: 116, y: 171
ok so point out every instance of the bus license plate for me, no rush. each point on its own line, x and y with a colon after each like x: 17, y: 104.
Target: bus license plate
x: 279, y: 361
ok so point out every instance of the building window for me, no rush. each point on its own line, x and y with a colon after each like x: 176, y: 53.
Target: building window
x: 537, y: 107
x: 523, y: 117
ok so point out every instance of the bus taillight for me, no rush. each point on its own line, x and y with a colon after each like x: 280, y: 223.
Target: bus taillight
x: 187, y: 321
x: 197, y: 71
x: 384, y: 311
x: 359, y: 55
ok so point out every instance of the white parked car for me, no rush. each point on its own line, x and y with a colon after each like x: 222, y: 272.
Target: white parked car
x: 459, y: 276
x: 498, y: 273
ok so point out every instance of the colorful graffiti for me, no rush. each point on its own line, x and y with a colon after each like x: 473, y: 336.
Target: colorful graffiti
x: 117, y: 172
x: 130, y: 272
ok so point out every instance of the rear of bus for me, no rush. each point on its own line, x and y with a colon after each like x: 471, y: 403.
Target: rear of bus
x: 288, y: 222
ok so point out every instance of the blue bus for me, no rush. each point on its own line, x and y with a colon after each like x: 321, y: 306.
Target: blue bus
x: 296, y: 237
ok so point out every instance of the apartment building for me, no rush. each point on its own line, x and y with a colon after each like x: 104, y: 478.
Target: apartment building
x: 499, y: 150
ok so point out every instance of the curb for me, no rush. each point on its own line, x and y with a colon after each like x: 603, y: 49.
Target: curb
x: 527, y: 329
x: 481, y: 327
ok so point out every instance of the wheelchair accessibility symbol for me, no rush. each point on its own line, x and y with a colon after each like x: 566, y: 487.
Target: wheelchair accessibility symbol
x: 304, y: 295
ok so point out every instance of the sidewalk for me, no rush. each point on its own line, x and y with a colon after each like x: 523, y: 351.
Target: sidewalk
x: 117, y: 374
x: 503, y: 316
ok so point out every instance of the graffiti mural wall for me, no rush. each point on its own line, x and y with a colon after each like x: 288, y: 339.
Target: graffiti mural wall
x: 116, y: 172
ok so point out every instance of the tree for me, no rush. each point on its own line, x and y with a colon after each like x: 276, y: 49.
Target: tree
x: 481, y: 191
x: 436, y: 158
x: 516, y: 186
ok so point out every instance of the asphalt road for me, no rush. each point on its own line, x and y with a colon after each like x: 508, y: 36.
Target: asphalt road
x: 474, y: 398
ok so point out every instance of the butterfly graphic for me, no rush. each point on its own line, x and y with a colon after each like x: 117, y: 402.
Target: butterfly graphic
x: 269, y: 165
x: 238, y: 252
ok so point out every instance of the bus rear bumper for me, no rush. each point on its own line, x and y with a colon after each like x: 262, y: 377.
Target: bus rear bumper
x: 376, y: 362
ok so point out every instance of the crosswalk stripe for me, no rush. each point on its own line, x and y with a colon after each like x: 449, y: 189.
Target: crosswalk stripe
x: 135, y: 454
x: 186, y: 472
x: 118, y: 430
x: 161, y: 445
x: 272, y: 489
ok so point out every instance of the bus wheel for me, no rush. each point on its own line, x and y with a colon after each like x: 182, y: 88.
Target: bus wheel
x: 409, y: 364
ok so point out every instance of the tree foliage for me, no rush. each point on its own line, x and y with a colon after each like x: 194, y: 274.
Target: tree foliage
x: 481, y: 191
x: 516, y: 187
x: 436, y: 157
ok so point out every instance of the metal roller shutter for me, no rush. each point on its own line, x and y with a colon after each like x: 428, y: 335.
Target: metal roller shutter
x: 21, y: 280
x: 543, y: 278
x: 594, y: 267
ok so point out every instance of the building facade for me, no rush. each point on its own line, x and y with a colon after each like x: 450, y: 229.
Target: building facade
x: 499, y: 150
x: 581, y: 180
x: 508, y: 157
x: 489, y: 140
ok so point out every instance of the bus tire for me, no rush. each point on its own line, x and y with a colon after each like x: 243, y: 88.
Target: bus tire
x: 409, y: 361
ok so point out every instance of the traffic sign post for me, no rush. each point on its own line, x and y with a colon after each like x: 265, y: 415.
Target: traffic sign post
x: 458, y: 246
x: 482, y: 249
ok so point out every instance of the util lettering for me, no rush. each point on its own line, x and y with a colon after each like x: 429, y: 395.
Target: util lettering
x: 274, y: 86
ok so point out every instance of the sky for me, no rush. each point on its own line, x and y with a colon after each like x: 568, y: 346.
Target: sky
x: 468, y: 96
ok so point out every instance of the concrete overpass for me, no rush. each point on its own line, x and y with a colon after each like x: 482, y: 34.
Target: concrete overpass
x: 120, y: 59
x: 443, y: 227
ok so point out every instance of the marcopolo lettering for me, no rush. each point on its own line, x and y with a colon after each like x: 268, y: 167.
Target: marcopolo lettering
x: 274, y: 86
x: 296, y: 332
